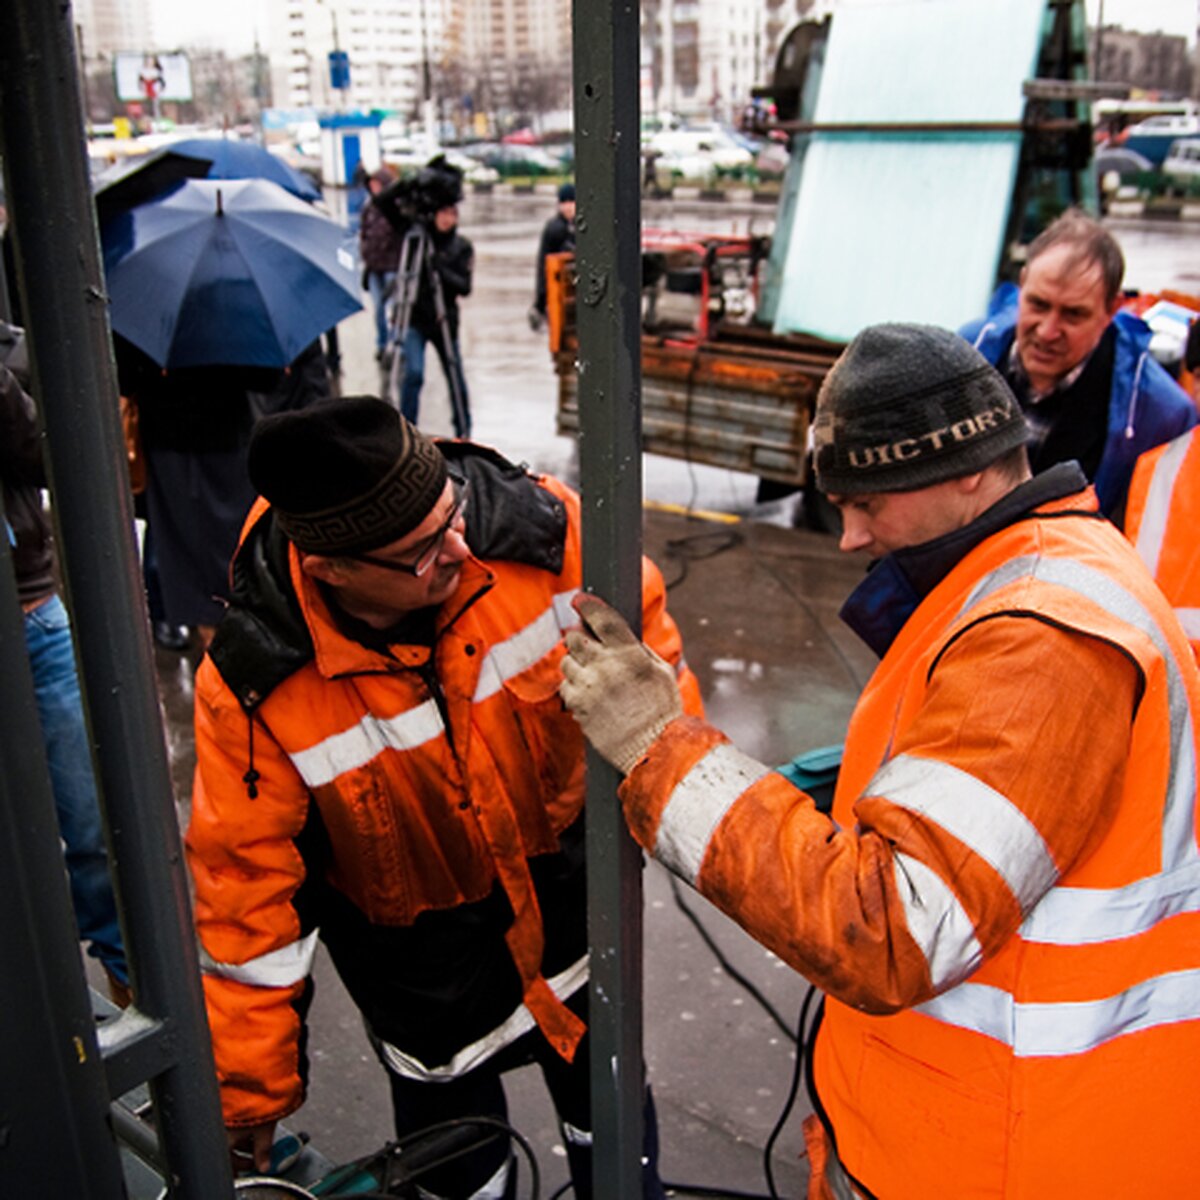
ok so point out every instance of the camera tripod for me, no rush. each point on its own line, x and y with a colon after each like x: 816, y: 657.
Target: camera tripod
x: 416, y: 266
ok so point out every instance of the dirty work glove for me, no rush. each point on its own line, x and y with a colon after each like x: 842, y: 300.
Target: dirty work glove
x: 621, y: 693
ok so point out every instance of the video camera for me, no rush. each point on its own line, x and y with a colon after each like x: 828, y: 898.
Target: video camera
x: 437, y: 185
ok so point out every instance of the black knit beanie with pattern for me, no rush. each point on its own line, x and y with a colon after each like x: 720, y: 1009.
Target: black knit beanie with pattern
x: 906, y: 406
x: 345, y: 476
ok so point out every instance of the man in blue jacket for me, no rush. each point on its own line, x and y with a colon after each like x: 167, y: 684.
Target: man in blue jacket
x: 1079, y: 366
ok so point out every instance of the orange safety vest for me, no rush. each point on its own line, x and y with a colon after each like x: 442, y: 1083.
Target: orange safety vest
x: 1162, y: 520
x: 1066, y: 1064
x: 427, y: 801
x: 1018, y: 1010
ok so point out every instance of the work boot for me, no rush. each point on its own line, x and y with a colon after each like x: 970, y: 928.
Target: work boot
x: 121, y: 994
x: 171, y: 637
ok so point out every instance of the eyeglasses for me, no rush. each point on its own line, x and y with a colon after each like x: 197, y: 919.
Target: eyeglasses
x: 427, y: 552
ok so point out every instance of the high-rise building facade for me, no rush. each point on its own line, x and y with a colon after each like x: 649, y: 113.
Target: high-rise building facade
x: 702, y: 58
x: 393, y: 46
x: 468, y: 55
x: 515, y: 55
x: 108, y: 27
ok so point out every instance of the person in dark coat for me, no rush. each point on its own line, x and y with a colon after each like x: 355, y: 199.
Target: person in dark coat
x: 1080, y: 365
x: 195, y: 427
x: 558, y: 235
x: 379, y: 249
x: 442, y: 276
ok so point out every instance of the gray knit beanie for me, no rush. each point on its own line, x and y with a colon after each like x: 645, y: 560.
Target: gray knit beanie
x: 907, y: 406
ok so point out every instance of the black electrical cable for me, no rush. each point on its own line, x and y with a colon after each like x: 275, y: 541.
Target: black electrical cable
x: 726, y: 965
x: 698, y: 546
x: 789, y: 1103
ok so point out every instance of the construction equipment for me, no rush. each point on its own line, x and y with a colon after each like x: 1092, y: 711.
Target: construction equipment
x: 915, y: 180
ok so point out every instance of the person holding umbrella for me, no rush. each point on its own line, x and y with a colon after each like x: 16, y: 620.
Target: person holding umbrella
x: 217, y: 288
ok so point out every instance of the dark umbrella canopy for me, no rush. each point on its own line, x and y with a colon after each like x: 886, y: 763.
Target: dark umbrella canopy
x: 247, y: 160
x: 129, y: 184
x: 233, y: 273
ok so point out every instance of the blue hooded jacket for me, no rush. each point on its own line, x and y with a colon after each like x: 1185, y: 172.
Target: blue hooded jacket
x: 1146, y: 407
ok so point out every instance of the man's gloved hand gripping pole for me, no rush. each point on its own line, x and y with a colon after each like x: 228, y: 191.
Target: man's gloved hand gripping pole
x: 621, y: 693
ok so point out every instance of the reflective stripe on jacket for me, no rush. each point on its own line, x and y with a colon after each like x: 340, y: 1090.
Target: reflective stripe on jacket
x: 436, y: 773
x: 1162, y: 520
x: 1005, y: 910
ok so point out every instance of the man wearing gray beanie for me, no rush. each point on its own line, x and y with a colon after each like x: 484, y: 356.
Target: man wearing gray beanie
x: 1003, y: 901
x: 383, y: 764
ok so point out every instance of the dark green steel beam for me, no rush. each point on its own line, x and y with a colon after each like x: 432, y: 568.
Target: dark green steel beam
x: 66, y: 309
x: 54, y: 1134
x: 608, y: 314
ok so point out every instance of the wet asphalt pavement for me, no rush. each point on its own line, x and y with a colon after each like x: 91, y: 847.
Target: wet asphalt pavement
x: 757, y: 602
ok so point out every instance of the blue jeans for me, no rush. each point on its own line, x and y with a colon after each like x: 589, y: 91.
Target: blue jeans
x: 68, y: 754
x: 379, y: 284
x: 414, y: 378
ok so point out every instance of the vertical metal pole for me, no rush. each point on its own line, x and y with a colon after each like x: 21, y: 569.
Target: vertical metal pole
x: 54, y: 1136
x: 58, y: 268
x: 608, y: 292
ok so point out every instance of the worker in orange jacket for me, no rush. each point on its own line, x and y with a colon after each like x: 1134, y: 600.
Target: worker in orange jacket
x: 383, y: 763
x: 1162, y: 517
x: 1004, y: 910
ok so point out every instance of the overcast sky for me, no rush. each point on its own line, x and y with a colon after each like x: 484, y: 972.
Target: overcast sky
x: 225, y: 24
x: 230, y: 24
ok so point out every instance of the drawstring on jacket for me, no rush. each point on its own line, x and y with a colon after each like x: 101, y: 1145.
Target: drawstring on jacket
x: 1133, y: 395
x: 251, y: 777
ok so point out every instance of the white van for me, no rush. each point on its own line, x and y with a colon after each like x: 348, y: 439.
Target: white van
x: 1182, y: 163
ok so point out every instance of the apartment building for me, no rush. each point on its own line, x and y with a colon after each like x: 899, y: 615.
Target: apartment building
x: 701, y: 58
x: 106, y: 27
x: 513, y: 55
x: 390, y: 45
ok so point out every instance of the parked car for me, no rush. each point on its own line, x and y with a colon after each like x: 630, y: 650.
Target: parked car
x: 411, y: 154
x: 1182, y: 164
x: 511, y: 160
x: 698, y: 154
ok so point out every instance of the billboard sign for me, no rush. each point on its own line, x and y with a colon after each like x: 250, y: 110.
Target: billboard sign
x: 150, y: 77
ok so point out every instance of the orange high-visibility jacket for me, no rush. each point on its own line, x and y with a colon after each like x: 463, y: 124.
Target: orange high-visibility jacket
x: 1005, y: 910
x: 1162, y: 520
x: 428, y: 794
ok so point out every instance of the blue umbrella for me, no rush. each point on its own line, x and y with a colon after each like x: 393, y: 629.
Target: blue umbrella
x: 246, y: 160
x: 131, y: 183
x: 233, y: 273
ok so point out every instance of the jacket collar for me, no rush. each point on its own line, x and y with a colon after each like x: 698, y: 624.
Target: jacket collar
x: 336, y: 655
x: 895, y: 585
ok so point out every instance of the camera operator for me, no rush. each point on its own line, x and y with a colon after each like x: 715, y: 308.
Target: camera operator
x: 435, y: 268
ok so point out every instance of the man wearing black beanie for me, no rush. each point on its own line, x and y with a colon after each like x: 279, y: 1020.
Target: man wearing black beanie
x: 1003, y: 907
x: 383, y: 763
x: 558, y: 236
